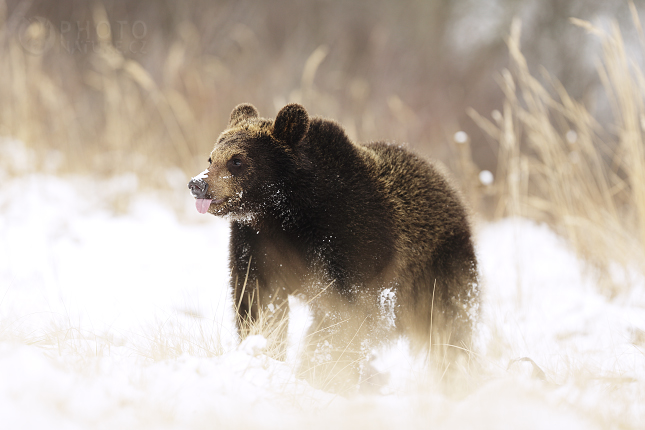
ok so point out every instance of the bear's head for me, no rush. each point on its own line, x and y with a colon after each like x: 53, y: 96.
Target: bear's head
x: 250, y: 162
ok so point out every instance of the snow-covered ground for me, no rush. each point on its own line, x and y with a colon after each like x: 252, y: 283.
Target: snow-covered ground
x: 122, y: 320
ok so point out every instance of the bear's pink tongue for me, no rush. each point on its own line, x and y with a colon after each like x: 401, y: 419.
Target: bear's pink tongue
x: 202, y: 205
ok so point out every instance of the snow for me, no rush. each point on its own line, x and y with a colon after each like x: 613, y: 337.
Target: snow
x: 202, y: 175
x: 123, y: 320
x: 486, y: 177
x: 253, y: 345
x: 460, y: 137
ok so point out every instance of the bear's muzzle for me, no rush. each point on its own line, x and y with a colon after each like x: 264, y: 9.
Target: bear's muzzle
x: 198, y: 188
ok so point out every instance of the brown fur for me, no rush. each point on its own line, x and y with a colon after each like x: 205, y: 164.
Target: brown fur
x: 373, y: 237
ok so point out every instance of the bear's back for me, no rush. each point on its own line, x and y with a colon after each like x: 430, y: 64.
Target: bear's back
x: 426, y: 208
x: 383, y: 181
x: 381, y: 201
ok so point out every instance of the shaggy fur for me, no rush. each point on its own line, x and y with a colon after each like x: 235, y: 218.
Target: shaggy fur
x: 374, y: 238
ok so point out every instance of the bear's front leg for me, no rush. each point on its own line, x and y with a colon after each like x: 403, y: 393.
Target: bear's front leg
x: 338, y: 344
x: 260, y: 304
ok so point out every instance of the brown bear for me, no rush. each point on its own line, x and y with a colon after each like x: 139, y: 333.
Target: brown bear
x: 375, y: 239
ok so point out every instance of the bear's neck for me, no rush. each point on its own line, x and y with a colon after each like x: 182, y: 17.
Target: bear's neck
x: 318, y: 191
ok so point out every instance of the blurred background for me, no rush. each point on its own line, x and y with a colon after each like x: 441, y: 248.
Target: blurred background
x: 106, y: 81
x: 144, y: 88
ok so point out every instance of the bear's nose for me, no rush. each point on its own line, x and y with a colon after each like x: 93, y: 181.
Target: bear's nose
x: 198, y: 188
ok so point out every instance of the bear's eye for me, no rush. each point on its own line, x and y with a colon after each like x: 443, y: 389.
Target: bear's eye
x: 210, y: 160
x: 235, y: 165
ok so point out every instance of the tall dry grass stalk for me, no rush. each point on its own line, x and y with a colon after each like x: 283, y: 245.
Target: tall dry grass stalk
x: 558, y: 165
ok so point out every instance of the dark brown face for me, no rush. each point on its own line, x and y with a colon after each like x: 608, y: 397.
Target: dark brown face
x: 219, y: 189
x: 250, y: 163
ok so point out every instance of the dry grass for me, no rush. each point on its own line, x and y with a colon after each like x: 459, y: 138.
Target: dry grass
x: 117, y: 119
x: 558, y: 165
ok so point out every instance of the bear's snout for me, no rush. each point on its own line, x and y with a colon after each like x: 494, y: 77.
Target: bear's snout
x: 198, y: 188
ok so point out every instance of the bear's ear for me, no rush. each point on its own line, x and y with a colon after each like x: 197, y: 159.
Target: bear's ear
x: 242, y: 112
x: 291, y: 124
